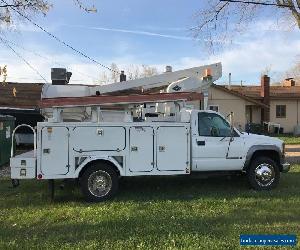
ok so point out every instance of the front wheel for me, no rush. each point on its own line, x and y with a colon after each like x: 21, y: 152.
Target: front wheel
x: 99, y: 182
x: 263, y: 174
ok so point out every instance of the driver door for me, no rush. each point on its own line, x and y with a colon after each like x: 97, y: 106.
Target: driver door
x: 210, y: 143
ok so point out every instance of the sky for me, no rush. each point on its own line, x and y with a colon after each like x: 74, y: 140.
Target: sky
x: 136, y: 32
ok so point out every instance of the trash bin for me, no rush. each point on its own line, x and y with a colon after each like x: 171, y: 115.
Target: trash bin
x: 7, y: 125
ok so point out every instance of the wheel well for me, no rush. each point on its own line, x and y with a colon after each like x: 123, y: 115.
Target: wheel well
x: 100, y: 161
x: 272, y: 154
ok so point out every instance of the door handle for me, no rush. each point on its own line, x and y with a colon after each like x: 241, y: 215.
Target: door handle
x: 201, y: 143
x: 46, y: 150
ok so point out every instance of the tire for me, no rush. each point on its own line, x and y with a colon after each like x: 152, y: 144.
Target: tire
x: 99, y: 182
x: 263, y: 174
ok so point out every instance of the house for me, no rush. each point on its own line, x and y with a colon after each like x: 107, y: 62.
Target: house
x: 258, y: 103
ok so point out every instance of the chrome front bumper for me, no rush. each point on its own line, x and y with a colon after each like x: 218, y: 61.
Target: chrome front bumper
x: 285, y: 167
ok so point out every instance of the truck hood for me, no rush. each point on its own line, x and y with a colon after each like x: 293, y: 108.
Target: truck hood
x: 261, y: 139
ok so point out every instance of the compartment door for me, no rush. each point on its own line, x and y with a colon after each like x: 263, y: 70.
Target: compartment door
x: 98, y: 139
x: 55, y: 151
x: 141, y: 151
x: 172, y: 149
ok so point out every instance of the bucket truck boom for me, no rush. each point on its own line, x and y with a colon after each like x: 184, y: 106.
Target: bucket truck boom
x: 197, y: 78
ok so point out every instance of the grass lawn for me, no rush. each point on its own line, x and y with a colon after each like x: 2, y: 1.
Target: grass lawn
x: 149, y: 213
x: 290, y: 139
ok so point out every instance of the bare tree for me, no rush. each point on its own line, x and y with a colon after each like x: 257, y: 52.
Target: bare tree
x: 267, y: 70
x: 11, y: 9
x: 104, y: 79
x: 114, y: 72
x: 137, y: 71
x: 148, y: 71
x: 218, y: 21
x: 3, y: 74
x: 132, y: 72
x: 294, y: 72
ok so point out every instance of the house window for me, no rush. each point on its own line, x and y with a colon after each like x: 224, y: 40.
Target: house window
x: 280, y: 111
x: 214, y: 108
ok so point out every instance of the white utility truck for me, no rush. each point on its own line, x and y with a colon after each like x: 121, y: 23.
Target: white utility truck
x: 96, y: 137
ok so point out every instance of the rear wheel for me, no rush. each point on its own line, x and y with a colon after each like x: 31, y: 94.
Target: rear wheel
x: 99, y: 182
x: 263, y: 174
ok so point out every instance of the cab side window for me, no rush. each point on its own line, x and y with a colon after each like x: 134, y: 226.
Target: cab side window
x: 211, y: 124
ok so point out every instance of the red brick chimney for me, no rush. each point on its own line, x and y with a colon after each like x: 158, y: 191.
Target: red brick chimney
x: 265, y: 94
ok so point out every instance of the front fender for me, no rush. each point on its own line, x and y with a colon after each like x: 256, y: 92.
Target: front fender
x: 99, y: 158
x: 256, y: 148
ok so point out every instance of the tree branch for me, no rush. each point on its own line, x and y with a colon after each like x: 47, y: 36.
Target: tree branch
x: 215, y: 17
x: 15, y: 5
x: 81, y: 6
x: 257, y: 3
x: 294, y: 11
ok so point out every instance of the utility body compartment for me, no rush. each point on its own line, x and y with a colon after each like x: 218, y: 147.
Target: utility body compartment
x: 148, y: 148
x: 99, y: 138
x: 23, y: 166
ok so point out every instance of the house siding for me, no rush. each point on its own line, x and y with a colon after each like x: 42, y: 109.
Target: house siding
x: 292, y: 114
x: 229, y: 103
x: 256, y: 114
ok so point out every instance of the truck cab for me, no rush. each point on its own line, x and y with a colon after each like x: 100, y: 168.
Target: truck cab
x: 218, y: 146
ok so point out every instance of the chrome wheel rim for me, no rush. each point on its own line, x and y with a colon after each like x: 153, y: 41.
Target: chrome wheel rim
x: 99, y: 183
x: 264, y: 174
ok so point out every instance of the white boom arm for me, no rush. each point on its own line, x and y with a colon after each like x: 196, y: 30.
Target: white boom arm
x: 165, y: 79
x: 182, y: 80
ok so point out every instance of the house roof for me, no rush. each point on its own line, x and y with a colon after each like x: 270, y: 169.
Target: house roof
x: 242, y: 95
x: 27, y: 96
x: 276, y: 92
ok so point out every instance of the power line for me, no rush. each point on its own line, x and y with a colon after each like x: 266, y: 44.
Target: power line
x: 44, y: 57
x: 23, y: 59
x: 257, y: 3
x: 61, y: 41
